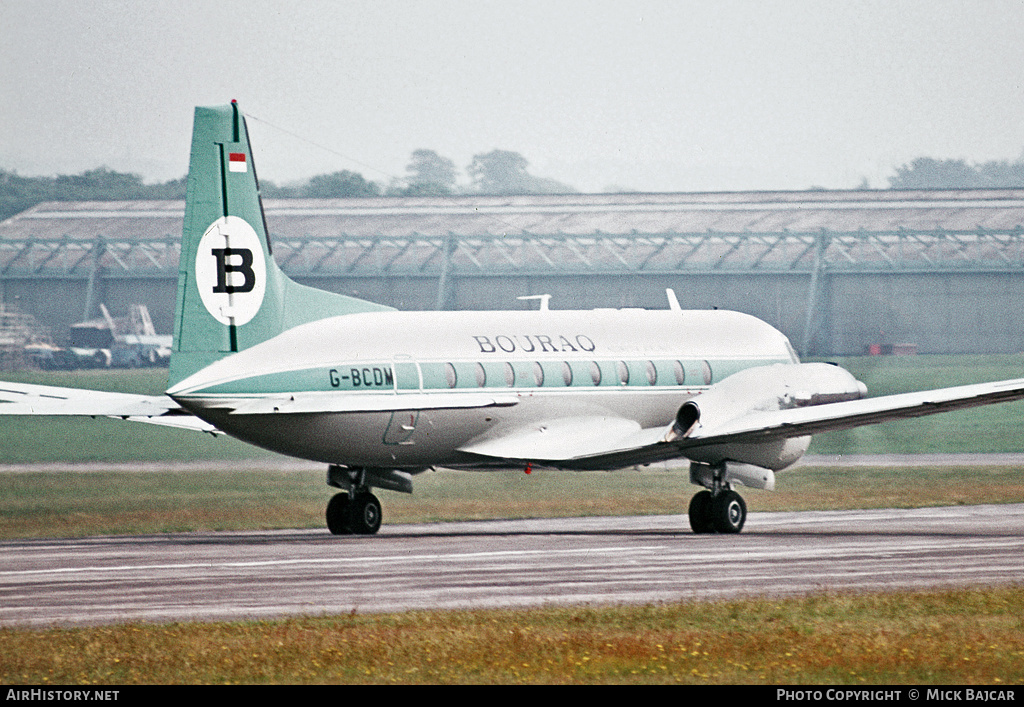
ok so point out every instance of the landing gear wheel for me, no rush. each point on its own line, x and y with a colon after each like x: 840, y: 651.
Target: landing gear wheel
x: 337, y: 515
x: 364, y: 514
x: 728, y: 512
x: 700, y: 513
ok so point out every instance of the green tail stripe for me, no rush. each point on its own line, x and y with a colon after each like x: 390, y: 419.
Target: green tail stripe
x: 231, y: 294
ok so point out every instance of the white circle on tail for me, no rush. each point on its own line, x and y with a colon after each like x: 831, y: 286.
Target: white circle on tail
x: 230, y: 271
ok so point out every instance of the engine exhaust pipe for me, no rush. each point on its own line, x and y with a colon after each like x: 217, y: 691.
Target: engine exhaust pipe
x: 686, y: 419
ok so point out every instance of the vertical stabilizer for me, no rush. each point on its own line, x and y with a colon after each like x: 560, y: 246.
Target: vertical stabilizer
x: 231, y: 294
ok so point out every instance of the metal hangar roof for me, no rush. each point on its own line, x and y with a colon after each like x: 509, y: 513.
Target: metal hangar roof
x: 628, y: 233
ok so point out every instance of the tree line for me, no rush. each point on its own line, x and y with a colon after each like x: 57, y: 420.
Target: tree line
x: 498, y: 172
x: 428, y: 174
x: 929, y: 173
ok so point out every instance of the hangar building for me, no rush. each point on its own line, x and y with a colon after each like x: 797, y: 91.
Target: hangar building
x: 837, y: 271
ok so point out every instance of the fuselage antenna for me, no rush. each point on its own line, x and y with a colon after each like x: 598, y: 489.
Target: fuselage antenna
x: 673, y: 301
x: 544, y: 300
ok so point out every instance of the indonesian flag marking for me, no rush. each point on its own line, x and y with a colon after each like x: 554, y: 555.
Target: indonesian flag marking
x: 236, y: 162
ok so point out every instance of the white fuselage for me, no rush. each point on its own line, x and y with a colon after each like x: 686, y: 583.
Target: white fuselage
x: 406, y: 390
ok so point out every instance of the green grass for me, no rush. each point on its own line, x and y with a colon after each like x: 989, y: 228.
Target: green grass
x: 71, y: 504
x: 959, y: 637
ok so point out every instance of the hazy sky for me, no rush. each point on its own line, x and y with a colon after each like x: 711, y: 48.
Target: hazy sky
x: 659, y: 96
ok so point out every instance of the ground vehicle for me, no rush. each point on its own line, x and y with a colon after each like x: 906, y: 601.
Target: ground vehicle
x: 127, y: 342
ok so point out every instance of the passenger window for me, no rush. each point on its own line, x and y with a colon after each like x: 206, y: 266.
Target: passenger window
x: 510, y: 375
x: 707, y: 372
x: 450, y: 375
x: 652, y: 373
x: 481, y: 375
x: 595, y: 372
x: 680, y: 373
x: 538, y: 374
x: 566, y: 373
x: 623, y: 371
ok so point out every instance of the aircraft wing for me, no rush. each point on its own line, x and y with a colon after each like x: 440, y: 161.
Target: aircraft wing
x: 28, y: 399
x: 610, y: 443
x: 797, y: 422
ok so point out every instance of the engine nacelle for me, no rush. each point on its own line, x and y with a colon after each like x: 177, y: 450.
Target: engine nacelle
x: 762, y: 389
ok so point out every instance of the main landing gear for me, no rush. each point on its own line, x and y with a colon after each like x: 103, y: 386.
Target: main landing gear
x: 724, y: 513
x: 358, y: 514
x: 718, y: 509
x: 354, y: 511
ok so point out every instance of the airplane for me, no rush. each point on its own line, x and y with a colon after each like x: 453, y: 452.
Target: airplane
x: 380, y: 395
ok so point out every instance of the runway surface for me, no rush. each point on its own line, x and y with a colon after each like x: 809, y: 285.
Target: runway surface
x: 207, y: 576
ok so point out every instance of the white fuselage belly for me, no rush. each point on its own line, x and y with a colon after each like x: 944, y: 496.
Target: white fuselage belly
x: 537, y: 366
x: 429, y: 437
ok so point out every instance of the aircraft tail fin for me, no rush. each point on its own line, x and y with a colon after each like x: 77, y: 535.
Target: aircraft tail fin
x: 231, y: 293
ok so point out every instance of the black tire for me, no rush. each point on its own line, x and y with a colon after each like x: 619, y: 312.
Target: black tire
x: 728, y: 512
x: 338, y: 515
x: 700, y: 513
x: 364, y: 514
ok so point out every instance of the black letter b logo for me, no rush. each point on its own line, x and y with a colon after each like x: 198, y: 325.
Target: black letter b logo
x: 224, y: 268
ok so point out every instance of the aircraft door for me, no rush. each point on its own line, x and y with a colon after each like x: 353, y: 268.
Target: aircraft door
x: 407, y: 376
x: 408, y: 379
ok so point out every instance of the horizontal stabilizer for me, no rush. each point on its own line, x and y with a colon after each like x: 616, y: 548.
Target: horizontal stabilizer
x: 28, y: 399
